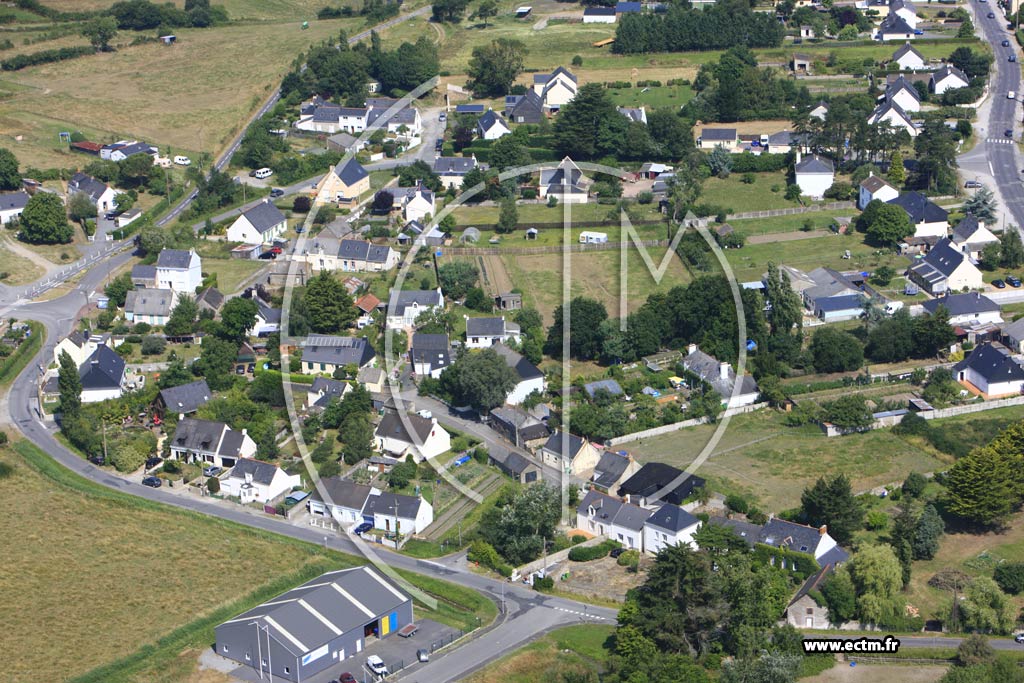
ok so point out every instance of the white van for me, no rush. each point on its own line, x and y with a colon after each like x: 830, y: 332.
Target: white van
x: 182, y: 161
x: 1011, y: 95
x: 893, y: 306
x: 263, y: 173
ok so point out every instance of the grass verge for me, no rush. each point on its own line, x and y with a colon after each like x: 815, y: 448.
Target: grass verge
x: 16, y: 362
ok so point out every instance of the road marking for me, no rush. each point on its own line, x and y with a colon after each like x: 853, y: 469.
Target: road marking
x: 582, y: 614
x: 999, y: 141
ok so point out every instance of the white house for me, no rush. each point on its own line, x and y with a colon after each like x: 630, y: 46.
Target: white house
x: 79, y: 346
x: 991, y: 369
x: 483, y: 333
x: 417, y: 204
x: 323, y: 390
x: 895, y: 27
x: 905, y: 10
x: 814, y: 175
x: 670, y: 525
x: 210, y: 443
x: 971, y: 237
x: 902, y: 92
x: 268, y: 320
x: 258, y: 225
x: 11, y: 205
x: 179, y: 270
x: 340, y: 499
x: 491, y: 126
x: 603, y: 515
x: 892, y: 114
x: 101, y: 194
x: 152, y: 306
x: 102, y: 375
x: 570, y: 454
x: 1013, y: 335
x: 531, y: 379
x: 566, y: 182
x: 948, y: 78
x: 405, y: 305
x: 945, y: 269
x: 400, y: 435
x: 452, y: 170
x: 908, y: 58
x: 721, y: 377
x: 393, y: 512
x: 599, y: 15
x: 875, y: 187
x: 555, y: 89
x: 324, y: 354
x: 972, y: 308
x: 255, y: 481
x: 430, y: 354
x: 928, y: 218
x: 122, y: 149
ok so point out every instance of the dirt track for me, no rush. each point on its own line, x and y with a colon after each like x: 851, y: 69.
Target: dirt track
x: 497, y: 279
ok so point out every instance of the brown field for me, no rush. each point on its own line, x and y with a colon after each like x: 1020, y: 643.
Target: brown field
x: 262, y: 10
x: 842, y: 672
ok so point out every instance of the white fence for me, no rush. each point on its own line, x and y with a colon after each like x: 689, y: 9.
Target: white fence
x: 676, y: 426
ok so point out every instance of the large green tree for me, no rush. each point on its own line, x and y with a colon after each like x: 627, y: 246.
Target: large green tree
x: 519, y: 526
x: 118, y: 288
x: 457, y: 278
x: 585, y: 341
x: 508, y: 217
x: 329, y: 305
x: 216, y: 361
x: 982, y: 204
x: 183, y: 316
x: 590, y: 126
x: 10, y: 179
x: 831, y: 501
x: 878, y: 579
x: 987, y: 609
x: 356, y: 436
x: 80, y: 207
x: 70, y: 385
x: 890, y: 226
x: 100, y: 31
x: 835, y: 350
x: 43, y: 220
x: 494, y: 67
x: 482, y: 380
x: 237, y: 317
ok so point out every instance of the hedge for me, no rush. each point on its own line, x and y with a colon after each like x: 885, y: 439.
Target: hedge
x: 586, y: 553
x: 45, y: 57
x: 759, y: 163
x: 12, y: 366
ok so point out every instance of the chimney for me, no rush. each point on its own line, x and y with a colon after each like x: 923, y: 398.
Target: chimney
x: 723, y: 370
x: 798, y: 155
x: 181, y: 416
x: 691, y: 349
x: 245, y: 432
x: 823, y: 529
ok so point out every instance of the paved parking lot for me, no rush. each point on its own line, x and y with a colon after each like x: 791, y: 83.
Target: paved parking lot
x: 397, y: 652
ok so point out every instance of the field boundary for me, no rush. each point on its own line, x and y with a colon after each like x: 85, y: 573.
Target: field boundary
x: 550, y: 249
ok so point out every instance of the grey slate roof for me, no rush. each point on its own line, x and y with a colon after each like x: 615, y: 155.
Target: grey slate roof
x: 782, y: 534
x: 904, y: 49
x: 609, y: 469
x: 350, y: 172
x: 947, y: 71
x: 174, y: 258
x: 360, y: 250
x: 672, y: 518
x: 141, y: 272
x: 609, y: 385
x: 902, y: 83
x: 135, y: 148
x: 485, y: 327
x: 554, y: 444
x: 718, y: 134
x: 81, y: 182
x: 828, y: 283
x: 962, y: 304
x: 211, y: 297
x: 994, y: 362
x: 839, y: 303
x: 920, y: 208
x: 940, y: 262
x: 454, y: 165
x: 653, y: 477
x: 323, y: 348
x: 342, y: 492
x: 327, y: 113
x: 149, y: 301
x: 393, y: 426
x: 613, y: 511
x: 204, y: 435
x: 875, y: 183
x: 599, y: 12
x: 13, y: 200
x: 885, y: 107
x: 390, y: 504
x: 529, y: 106
x: 262, y: 472
x: 894, y: 24
x: 264, y: 216
x: 966, y: 228
x: 523, y: 367
x: 360, y: 586
x: 509, y: 461
x: 266, y: 312
x: 104, y: 369
x: 186, y: 398
x: 398, y: 301
x: 708, y: 369
x: 469, y: 109
x: 431, y: 349
x: 815, y: 164
x: 489, y: 120
x: 330, y: 388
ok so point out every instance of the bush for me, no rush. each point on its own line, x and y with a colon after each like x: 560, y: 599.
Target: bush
x: 877, y: 520
x: 543, y: 584
x: 529, y: 193
x: 915, y: 482
x: 737, y: 504
x: 153, y: 345
x: 3, y: 438
x: 301, y: 204
x: 628, y: 558
x: 213, y: 485
x: 592, y: 552
x: 575, y: 539
x: 46, y: 56
x: 1010, y: 577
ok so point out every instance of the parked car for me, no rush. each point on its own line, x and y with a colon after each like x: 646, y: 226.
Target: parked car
x: 443, y: 117
x: 617, y: 551
x: 182, y: 161
x: 1008, y: 132
x: 153, y: 462
x: 212, y: 471
x: 991, y: 15
x: 346, y: 678
x: 152, y: 482
x: 362, y: 528
x: 1013, y: 280
x: 972, y: 184
x: 240, y: 370
x: 422, y: 655
x: 1005, y: 43
x: 999, y: 284
x: 438, y: 144
x: 376, y: 665
x: 1019, y: 638
x: 98, y: 460
x: 918, y: 32
x: 275, y: 250
x: 251, y: 368
x: 1012, y: 58
x: 268, y: 255
x: 277, y: 192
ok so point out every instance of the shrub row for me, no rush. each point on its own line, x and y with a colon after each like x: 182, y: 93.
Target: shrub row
x: 586, y: 553
x: 45, y: 57
x: 759, y: 163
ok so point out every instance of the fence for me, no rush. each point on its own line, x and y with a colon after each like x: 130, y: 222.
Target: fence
x: 676, y: 426
x: 73, y: 269
x: 559, y: 226
x: 831, y: 206
x: 444, y: 641
x: 973, y: 408
x: 550, y: 249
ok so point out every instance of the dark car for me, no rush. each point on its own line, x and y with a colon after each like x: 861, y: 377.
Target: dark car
x: 1013, y: 280
x: 1012, y: 58
x: 1005, y: 43
x: 991, y: 15
x: 240, y: 370
x: 972, y: 184
x: 1008, y: 132
x: 153, y: 462
x: 251, y: 368
x: 362, y: 528
x: 999, y: 284
x: 268, y: 256
x: 439, y: 144
x: 347, y: 678
x: 617, y: 551
x: 98, y: 460
x: 252, y: 173
x: 152, y: 482
x: 277, y: 192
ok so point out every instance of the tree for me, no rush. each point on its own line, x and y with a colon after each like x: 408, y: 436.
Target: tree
x: 1010, y: 577
x: 70, y: 384
x: 494, y: 67
x: 174, y: 375
x: 43, y: 220
x: 477, y: 300
x: 508, y: 151
x: 840, y: 597
x: 486, y: 10
x: 518, y: 528
x: 10, y: 179
x: 985, y: 608
x: 80, y: 207
x: 848, y: 412
x: 897, y: 174
x: 383, y: 202
x: 509, y: 216
x: 982, y: 205
x: 831, y: 502
x: 457, y: 278
x: 878, y: 579
x: 975, y: 649
x: 448, y: 10
x: 152, y: 345
x: 329, y: 305
x: 481, y: 380
x: 301, y: 204
x: 590, y: 126
x: 786, y: 309
x: 720, y: 161
x: 215, y: 362
x: 585, y: 340
x: 930, y: 528
x: 890, y: 226
x: 356, y: 436
x: 936, y: 158
x: 100, y: 31
x: 181, y: 322
x: 237, y: 317
x: 118, y: 288
x: 267, y: 387
x: 981, y: 486
x: 883, y: 275
x: 835, y: 350
x: 1011, y: 251
x: 914, y: 484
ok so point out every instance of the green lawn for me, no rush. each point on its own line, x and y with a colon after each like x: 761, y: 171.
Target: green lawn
x: 750, y: 262
x: 820, y: 220
x: 231, y: 273
x: 482, y: 216
x: 573, y: 649
x: 739, y: 197
x: 664, y: 96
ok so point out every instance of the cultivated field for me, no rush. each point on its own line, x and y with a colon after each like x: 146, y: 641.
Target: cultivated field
x: 263, y: 10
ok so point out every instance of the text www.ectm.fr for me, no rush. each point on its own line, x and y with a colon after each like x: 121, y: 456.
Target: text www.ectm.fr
x: 834, y: 646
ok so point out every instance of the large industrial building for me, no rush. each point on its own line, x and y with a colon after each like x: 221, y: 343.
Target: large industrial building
x: 317, y: 625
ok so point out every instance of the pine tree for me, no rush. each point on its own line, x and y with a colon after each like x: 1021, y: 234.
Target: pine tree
x: 897, y: 174
x: 1011, y: 251
x: 70, y: 385
x: 930, y: 528
x: 982, y: 205
x: 981, y: 486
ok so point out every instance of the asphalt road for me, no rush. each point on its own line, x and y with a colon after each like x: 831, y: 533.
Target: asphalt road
x: 995, y: 155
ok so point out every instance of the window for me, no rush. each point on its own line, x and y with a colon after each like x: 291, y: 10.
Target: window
x: 223, y: 648
x: 323, y: 366
x: 248, y: 657
x: 263, y: 662
x: 309, y: 366
x: 810, y: 610
x: 287, y: 670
